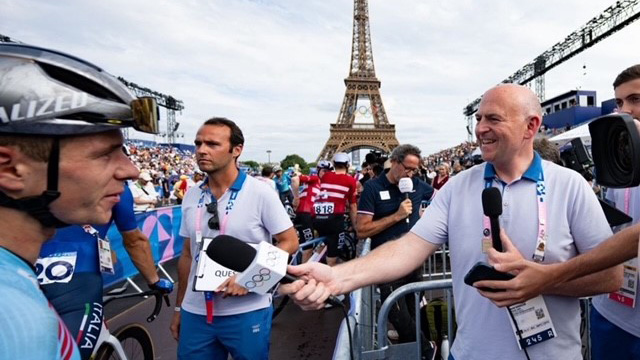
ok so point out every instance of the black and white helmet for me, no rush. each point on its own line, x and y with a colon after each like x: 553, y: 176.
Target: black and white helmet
x: 49, y: 93
x: 46, y: 92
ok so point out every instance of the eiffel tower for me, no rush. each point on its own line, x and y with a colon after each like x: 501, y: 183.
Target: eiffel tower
x: 375, y: 131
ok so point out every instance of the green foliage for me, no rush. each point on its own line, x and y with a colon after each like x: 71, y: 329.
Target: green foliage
x: 252, y: 164
x: 291, y: 160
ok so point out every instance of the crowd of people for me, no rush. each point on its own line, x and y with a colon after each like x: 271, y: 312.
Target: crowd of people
x: 67, y: 167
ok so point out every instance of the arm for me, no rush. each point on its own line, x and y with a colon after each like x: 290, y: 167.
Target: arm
x: 367, y: 227
x: 295, y: 189
x: 139, y: 249
x: 288, y: 240
x: 564, y: 278
x: 390, y: 261
x: 353, y: 214
x: 184, y: 267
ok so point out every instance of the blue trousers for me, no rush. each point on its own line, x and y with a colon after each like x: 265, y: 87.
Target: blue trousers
x: 244, y: 336
x: 610, y: 342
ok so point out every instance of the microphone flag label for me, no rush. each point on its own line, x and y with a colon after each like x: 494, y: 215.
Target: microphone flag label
x: 266, y: 269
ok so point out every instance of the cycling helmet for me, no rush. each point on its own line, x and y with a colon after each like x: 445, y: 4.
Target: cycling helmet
x: 49, y: 93
x: 341, y: 158
x: 45, y: 92
x: 324, y: 164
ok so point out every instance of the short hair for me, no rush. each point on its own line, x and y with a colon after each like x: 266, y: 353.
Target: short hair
x: 267, y: 171
x: 547, y: 150
x: 400, y: 152
x: 237, y: 138
x: 35, y: 147
x: 628, y: 74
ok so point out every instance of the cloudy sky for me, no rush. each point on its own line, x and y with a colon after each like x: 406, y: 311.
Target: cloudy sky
x: 277, y: 66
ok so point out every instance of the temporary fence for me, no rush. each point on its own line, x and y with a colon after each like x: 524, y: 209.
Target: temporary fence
x: 368, y: 326
x: 162, y: 227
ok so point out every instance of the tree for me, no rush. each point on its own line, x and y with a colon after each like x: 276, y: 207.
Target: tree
x: 252, y: 164
x: 291, y: 160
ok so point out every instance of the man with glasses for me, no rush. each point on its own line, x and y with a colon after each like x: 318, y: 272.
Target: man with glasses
x: 385, y: 213
x: 212, y: 325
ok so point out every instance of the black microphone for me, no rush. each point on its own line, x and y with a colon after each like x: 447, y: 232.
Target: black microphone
x: 492, y: 207
x: 237, y: 255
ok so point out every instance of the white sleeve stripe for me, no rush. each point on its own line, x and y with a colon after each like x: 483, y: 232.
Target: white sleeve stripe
x: 335, y: 195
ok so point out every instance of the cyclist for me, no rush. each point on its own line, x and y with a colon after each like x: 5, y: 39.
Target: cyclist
x: 336, y: 190
x: 61, y: 161
x: 76, y: 291
x: 283, y: 185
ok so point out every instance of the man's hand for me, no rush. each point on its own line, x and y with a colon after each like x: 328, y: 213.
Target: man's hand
x: 175, y: 325
x: 531, y: 279
x: 509, y: 254
x: 405, y: 209
x: 230, y: 288
x: 317, y: 282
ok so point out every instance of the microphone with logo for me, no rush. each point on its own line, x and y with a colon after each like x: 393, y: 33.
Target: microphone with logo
x: 492, y: 207
x: 258, y: 269
x: 406, y: 186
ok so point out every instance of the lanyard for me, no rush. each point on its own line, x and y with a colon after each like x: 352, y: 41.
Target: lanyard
x: 541, y: 242
x: 627, y: 200
x: 208, y: 295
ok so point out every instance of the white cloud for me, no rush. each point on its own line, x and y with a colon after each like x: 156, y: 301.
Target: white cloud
x: 276, y: 67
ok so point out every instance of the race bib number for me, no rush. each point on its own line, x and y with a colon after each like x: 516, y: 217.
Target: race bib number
x: 323, y: 208
x: 57, y: 268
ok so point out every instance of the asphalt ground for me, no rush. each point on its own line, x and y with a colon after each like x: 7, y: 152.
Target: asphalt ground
x: 296, y: 334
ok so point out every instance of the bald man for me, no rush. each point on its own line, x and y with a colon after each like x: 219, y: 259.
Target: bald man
x: 538, y: 197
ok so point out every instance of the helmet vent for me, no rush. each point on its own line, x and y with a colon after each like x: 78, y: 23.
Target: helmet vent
x: 79, y: 82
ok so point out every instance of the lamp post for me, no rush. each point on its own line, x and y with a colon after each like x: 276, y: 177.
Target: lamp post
x: 269, y: 156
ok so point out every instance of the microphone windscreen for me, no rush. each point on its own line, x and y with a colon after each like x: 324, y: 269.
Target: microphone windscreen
x: 231, y: 253
x: 492, y: 202
x: 405, y: 185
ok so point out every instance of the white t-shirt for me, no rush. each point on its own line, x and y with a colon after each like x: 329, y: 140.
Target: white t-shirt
x: 575, y: 224
x: 257, y: 214
x: 146, y: 192
x: 624, y: 317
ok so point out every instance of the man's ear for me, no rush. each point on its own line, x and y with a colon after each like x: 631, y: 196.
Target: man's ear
x: 12, y: 170
x: 237, y: 150
x: 533, y: 124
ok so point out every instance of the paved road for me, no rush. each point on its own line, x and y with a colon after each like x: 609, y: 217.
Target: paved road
x: 296, y: 334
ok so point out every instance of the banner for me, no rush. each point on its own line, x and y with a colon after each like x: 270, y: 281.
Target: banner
x: 162, y: 227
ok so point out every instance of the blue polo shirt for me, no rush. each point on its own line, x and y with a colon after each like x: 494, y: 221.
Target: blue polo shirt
x: 381, y: 198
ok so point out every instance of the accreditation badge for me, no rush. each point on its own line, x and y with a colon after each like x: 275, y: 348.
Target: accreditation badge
x: 626, y: 295
x: 104, y: 253
x: 534, y: 323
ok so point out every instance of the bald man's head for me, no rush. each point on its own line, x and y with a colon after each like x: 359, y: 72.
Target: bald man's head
x: 517, y: 99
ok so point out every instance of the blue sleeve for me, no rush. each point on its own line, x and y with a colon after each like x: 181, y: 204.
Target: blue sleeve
x: 123, y: 214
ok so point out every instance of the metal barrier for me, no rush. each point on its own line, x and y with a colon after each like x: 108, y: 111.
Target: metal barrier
x: 361, y: 315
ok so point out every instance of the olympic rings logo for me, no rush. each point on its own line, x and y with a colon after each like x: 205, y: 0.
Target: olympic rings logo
x: 361, y: 110
x: 258, y: 279
x: 272, y: 256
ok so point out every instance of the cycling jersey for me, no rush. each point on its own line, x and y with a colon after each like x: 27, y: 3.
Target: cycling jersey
x: 336, y: 190
x: 283, y: 183
x: 74, y: 250
x: 309, y: 190
x: 69, y: 271
x: 29, y: 327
